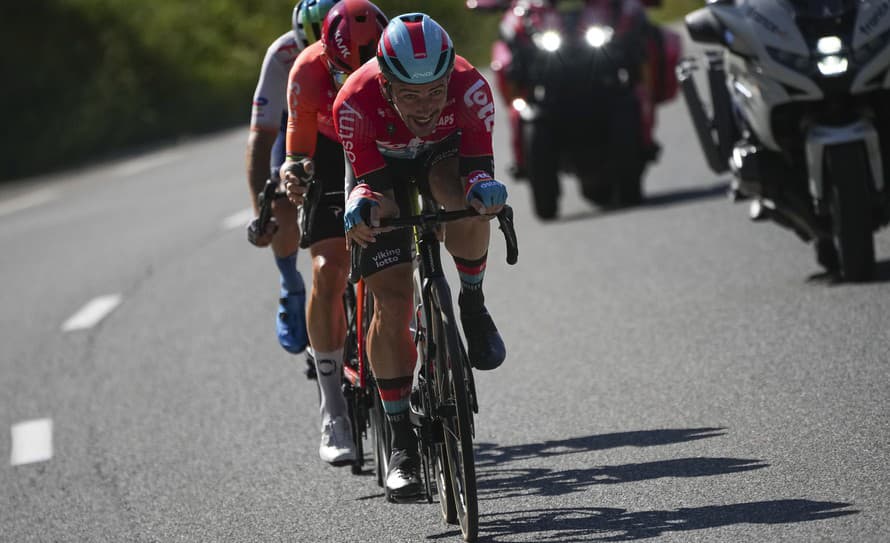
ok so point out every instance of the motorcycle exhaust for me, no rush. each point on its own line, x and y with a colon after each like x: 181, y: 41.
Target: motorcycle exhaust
x: 700, y: 120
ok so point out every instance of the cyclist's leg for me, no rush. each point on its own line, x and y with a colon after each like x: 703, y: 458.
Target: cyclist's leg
x: 387, y: 270
x: 393, y: 356
x: 291, y: 321
x: 467, y: 241
x: 326, y: 320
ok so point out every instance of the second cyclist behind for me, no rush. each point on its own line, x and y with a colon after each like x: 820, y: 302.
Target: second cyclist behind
x: 348, y: 38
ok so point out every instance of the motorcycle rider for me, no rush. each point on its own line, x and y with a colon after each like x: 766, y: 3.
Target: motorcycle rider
x: 348, y: 36
x: 512, y: 61
x: 417, y: 111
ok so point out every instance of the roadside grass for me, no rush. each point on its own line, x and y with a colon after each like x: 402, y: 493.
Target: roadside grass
x: 674, y: 10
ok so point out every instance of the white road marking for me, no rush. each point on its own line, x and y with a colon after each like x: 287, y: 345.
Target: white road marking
x: 140, y: 165
x: 238, y: 220
x: 25, y: 201
x: 32, y: 441
x: 92, y: 313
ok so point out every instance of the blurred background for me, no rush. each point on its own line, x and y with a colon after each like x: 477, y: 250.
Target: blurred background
x: 86, y: 79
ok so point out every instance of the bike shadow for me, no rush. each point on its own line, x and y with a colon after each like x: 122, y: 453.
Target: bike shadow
x: 652, y: 200
x: 492, y: 454
x: 882, y: 275
x: 496, y: 484
x: 616, y: 524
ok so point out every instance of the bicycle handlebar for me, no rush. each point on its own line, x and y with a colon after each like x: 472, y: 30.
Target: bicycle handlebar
x: 505, y: 220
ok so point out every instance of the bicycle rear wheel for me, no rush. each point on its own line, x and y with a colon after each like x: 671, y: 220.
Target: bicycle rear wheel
x: 457, y: 419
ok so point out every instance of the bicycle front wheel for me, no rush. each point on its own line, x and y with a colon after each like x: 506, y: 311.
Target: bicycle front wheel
x: 457, y: 419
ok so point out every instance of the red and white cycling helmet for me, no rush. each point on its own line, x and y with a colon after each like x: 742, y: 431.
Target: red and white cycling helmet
x: 350, y: 33
x: 414, y: 49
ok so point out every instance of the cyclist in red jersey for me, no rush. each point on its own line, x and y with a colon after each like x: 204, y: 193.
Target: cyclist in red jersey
x: 348, y: 37
x: 417, y: 112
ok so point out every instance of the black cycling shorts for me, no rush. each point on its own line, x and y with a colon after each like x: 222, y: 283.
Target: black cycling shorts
x: 322, y: 214
x: 397, y: 246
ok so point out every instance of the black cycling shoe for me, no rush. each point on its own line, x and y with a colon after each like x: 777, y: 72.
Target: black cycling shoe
x: 403, y: 475
x: 484, y: 344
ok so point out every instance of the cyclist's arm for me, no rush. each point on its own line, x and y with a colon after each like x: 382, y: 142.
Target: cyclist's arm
x: 365, y: 165
x: 302, y: 129
x: 476, y: 163
x: 269, y: 101
x: 302, y: 112
x: 259, y: 148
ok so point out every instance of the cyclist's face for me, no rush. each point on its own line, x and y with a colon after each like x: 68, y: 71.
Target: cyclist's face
x: 420, y: 105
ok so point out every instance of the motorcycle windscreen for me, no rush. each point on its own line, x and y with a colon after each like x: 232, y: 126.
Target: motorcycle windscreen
x: 823, y: 9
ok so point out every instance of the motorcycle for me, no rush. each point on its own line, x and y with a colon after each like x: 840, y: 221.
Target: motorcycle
x: 800, y: 114
x: 582, y: 79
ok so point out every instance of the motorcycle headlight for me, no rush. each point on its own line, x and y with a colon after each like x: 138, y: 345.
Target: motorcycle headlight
x: 598, y: 36
x: 549, y: 40
x: 831, y: 61
x: 829, y: 45
x: 833, y: 65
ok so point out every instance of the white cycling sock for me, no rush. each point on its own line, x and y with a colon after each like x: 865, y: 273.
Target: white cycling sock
x: 329, y: 367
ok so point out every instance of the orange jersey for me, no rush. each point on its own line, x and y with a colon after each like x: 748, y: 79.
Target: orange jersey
x: 310, y: 101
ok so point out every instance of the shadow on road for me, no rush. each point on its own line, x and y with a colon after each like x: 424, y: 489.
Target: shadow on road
x: 497, y: 483
x: 657, y: 199
x: 614, y: 524
x: 882, y: 275
x: 491, y: 454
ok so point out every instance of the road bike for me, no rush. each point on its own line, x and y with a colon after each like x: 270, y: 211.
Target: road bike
x: 359, y: 388
x: 444, y: 399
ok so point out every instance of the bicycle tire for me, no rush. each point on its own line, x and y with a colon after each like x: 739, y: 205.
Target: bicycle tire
x: 457, y: 427
x: 427, y: 381
x: 355, y: 401
x: 380, y: 432
x: 359, y: 423
x: 381, y: 437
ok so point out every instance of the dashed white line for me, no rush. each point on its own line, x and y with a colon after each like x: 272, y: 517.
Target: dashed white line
x: 32, y: 441
x: 140, y: 165
x: 27, y: 200
x: 92, y: 313
x: 238, y: 220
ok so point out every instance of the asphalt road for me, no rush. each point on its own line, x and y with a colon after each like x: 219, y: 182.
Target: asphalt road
x: 675, y: 373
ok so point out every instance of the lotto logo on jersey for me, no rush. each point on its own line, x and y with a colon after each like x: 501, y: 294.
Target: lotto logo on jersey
x: 479, y: 96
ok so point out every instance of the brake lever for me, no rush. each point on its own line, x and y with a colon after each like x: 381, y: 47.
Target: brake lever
x: 505, y: 220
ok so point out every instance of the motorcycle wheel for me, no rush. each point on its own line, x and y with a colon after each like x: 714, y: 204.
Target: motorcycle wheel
x: 851, y: 211
x: 542, y: 162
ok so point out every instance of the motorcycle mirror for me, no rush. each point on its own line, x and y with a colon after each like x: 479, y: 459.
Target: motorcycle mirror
x: 704, y: 27
x: 488, y: 5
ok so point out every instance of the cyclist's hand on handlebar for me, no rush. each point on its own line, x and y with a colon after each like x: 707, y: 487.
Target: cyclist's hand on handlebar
x: 295, y: 175
x: 264, y: 238
x: 484, y: 194
x: 364, y: 208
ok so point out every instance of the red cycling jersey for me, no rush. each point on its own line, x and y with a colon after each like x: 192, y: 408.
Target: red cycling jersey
x: 310, y: 99
x: 370, y: 128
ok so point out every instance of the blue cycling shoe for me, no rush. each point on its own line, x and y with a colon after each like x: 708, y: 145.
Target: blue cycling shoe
x: 291, y: 322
